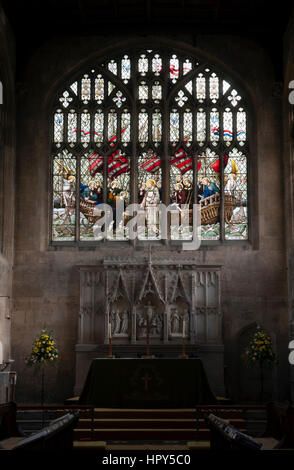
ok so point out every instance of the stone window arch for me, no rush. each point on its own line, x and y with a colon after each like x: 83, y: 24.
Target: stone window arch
x: 160, y: 117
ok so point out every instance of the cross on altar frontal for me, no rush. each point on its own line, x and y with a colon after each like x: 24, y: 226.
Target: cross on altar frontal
x: 157, y: 383
x: 146, y: 378
x: 148, y: 325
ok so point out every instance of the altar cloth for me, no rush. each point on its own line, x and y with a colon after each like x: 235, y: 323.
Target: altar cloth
x: 146, y: 383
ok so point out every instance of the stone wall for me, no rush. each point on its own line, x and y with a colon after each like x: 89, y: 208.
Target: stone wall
x: 46, y: 281
x: 7, y: 163
x: 288, y: 152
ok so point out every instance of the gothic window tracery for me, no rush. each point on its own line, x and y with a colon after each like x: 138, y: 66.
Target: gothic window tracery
x: 149, y: 124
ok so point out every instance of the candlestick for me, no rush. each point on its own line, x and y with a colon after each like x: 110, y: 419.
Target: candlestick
x: 109, y: 330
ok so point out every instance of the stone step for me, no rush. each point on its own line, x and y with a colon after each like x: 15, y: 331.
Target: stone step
x: 144, y: 413
x: 256, y: 413
x: 137, y: 423
x: 220, y: 401
x: 129, y: 424
x: 255, y: 428
x: 255, y: 422
x: 163, y: 413
x: 149, y: 423
x: 106, y: 434
x: 186, y: 413
x: 32, y: 424
x: 198, y: 445
x: 37, y: 414
x: 89, y: 446
x: 97, y: 446
x: 152, y: 447
x: 142, y: 434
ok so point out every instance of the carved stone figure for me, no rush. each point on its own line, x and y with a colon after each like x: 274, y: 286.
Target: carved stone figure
x: 149, y: 310
x: 112, y: 321
x: 124, y: 322
x: 142, y: 325
x: 117, y: 323
x: 159, y: 324
x: 186, y: 318
x: 175, y: 322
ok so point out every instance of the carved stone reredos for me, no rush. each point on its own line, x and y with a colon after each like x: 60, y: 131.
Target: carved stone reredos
x: 119, y: 288
x: 179, y: 290
x: 173, y: 286
x: 150, y: 285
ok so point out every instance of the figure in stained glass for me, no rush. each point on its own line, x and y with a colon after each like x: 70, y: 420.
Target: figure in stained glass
x: 150, y: 202
x: 231, y: 184
x: 207, y: 188
x: 141, y: 192
x: 179, y: 195
x: 68, y: 195
x: 92, y: 193
x: 64, y: 197
x: 188, y: 188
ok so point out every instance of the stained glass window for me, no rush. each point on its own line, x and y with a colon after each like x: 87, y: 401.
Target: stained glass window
x: 149, y: 126
x: 64, y: 196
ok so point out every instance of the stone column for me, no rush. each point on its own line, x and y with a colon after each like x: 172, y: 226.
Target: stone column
x: 219, y: 311
x: 93, y: 311
x: 81, y: 311
x: 193, y: 317
x: 106, y: 310
x: 134, y: 324
x: 165, y: 323
x: 206, y: 305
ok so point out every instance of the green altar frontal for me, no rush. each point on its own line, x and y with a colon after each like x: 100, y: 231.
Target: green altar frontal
x: 146, y: 383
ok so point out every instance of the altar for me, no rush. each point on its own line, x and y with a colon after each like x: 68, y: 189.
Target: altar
x: 150, y: 299
x: 146, y: 383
